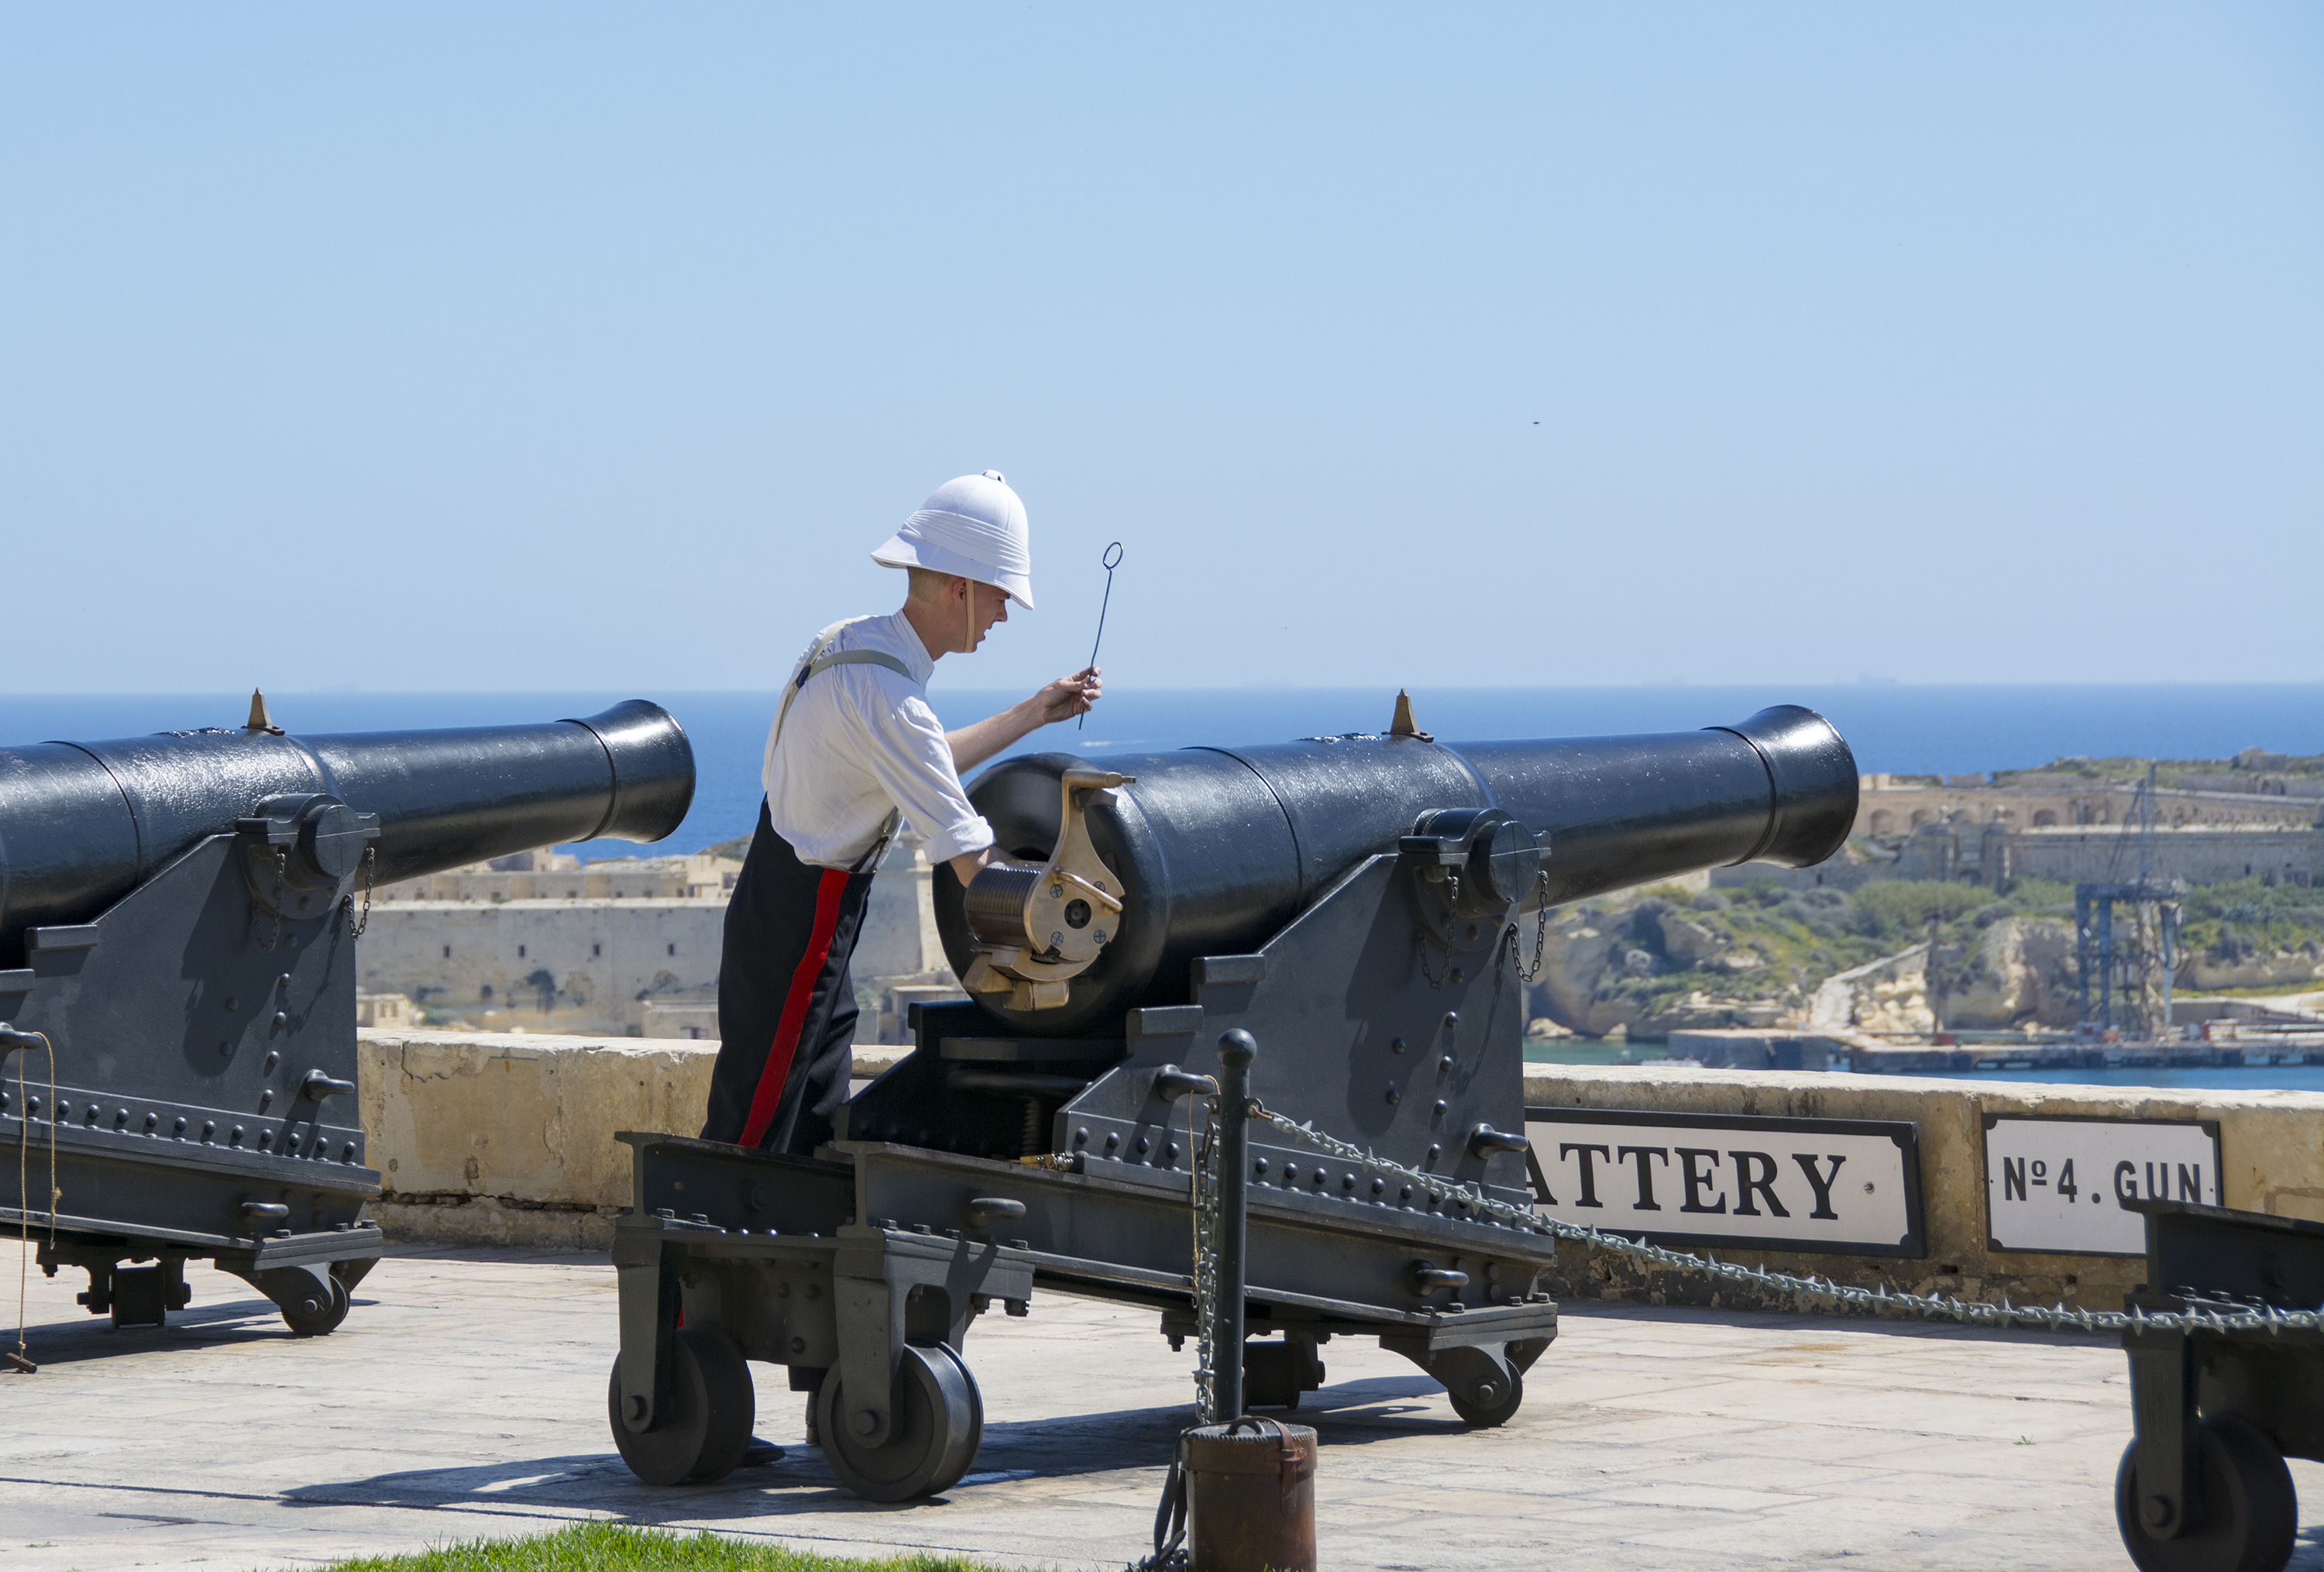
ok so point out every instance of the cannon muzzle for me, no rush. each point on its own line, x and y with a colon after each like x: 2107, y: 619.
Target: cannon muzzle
x: 1215, y: 850
x: 82, y: 824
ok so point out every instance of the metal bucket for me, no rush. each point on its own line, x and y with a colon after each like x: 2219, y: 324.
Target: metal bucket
x: 1250, y: 1489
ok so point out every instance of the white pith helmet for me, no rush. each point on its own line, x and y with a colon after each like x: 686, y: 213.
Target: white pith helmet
x: 974, y: 526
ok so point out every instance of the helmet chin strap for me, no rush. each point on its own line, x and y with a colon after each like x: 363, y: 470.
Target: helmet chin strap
x: 968, y: 634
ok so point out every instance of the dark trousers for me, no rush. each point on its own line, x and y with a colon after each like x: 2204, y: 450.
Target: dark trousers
x: 786, y: 1005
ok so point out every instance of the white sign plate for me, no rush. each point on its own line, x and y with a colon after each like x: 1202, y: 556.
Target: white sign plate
x: 1841, y: 1186
x: 2059, y: 1185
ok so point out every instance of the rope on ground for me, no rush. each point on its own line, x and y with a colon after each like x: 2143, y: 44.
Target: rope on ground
x: 2234, y: 1316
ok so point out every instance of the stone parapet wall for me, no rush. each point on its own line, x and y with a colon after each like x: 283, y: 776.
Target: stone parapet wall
x: 507, y: 1139
x: 590, y: 966
x: 2273, y: 1143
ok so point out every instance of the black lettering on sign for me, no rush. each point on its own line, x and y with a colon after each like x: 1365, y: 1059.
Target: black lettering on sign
x: 1589, y: 1170
x: 1540, y: 1179
x: 2012, y: 1178
x: 2191, y: 1182
x: 1823, y: 1185
x: 1695, y: 1182
x: 1646, y: 1176
x: 2066, y: 1181
x: 2126, y: 1192
x: 1755, y: 1171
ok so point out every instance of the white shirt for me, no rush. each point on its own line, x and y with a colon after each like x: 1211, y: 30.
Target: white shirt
x: 858, y: 740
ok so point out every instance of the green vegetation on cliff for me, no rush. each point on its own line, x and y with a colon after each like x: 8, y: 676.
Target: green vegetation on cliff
x: 1757, y: 953
x: 2169, y: 774
x: 1762, y: 942
x: 2250, y: 917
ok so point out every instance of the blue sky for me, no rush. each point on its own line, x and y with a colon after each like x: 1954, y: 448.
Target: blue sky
x: 534, y: 347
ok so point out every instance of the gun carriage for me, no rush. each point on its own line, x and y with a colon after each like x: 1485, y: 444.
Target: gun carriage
x: 1363, y: 906
x: 2202, y: 1486
x: 178, y: 922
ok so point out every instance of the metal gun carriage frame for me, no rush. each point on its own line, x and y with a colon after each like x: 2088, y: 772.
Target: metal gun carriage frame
x: 1361, y: 907
x: 863, y: 1272
x: 178, y: 916
x: 2202, y: 1486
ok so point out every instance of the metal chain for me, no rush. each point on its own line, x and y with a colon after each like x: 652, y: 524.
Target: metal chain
x: 1205, y: 1195
x: 347, y: 903
x: 21, y: 1359
x: 2239, y: 1318
x: 1540, y: 932
x: 1420, y: 956
x: 1420, y: 936
x: 281, y: 876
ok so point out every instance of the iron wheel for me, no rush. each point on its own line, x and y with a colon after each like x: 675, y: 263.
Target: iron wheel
x: 1494, y: 1409
x: 975, y: 1415
x: 2250, y: 1514
x: 935, y: 1415
x: 320, y: 1311
x: 706, y: 1427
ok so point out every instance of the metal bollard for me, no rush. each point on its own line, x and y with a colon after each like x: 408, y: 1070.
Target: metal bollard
x: 1250, y: 1483
x: 1237, y: 1049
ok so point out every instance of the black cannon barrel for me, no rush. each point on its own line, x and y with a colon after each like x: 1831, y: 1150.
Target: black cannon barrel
x: 1218, y: 848
x: 82, y: 824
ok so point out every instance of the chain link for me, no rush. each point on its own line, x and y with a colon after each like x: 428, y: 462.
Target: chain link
x: 2238, y: 1317
x: 1420, y: 936
x: 1420, y: 956
x: 348, y: 902
x: 1204, y: 1191
x: 281, y: 877
x: 1540, y: 932
x: 21, y: 1358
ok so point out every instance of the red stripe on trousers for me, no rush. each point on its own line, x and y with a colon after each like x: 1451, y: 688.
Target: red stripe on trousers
x: 777, y: 1071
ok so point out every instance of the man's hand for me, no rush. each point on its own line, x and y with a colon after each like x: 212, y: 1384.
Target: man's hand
x: 1066, y: 696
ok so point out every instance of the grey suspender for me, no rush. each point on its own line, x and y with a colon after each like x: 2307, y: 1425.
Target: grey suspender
x: 822, y: 657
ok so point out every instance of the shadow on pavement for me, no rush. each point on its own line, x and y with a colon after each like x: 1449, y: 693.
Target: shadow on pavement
x: 1788, y: 1324
x: 224, y: 1323
x: 1351, y: 1413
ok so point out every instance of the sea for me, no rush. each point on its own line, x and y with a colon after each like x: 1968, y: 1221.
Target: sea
x: 1904, y: 729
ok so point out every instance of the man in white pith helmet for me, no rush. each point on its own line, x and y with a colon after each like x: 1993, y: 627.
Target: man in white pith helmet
x: 854, y: 745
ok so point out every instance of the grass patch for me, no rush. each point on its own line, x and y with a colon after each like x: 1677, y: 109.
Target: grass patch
x: 616, y: 1548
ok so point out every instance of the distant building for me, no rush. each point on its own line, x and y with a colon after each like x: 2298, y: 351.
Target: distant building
x: 384, y: 1009
x: 1991, y: 853
x: 539, y: 942
x: 1888, y: 806
x: 557, y: 876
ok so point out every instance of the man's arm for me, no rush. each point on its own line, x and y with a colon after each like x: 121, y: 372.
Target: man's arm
x: 1063, y: 699
x: 968, y: 865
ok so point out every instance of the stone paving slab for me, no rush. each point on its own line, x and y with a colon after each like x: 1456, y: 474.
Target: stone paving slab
x: 465, y: 1396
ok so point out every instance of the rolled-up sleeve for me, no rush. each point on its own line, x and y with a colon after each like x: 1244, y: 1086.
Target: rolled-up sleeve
x: 912, y: 762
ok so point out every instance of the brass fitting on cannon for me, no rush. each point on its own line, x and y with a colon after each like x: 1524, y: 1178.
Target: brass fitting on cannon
x: 1037, y: 928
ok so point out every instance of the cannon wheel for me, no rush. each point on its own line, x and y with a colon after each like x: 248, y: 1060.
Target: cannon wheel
x: 975, y: 1408
x: 2250, y: 1514
x: 706, y: 1425
x: 314, y: 1315
x: 936, y: 1417
x: 1497, y: 1412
